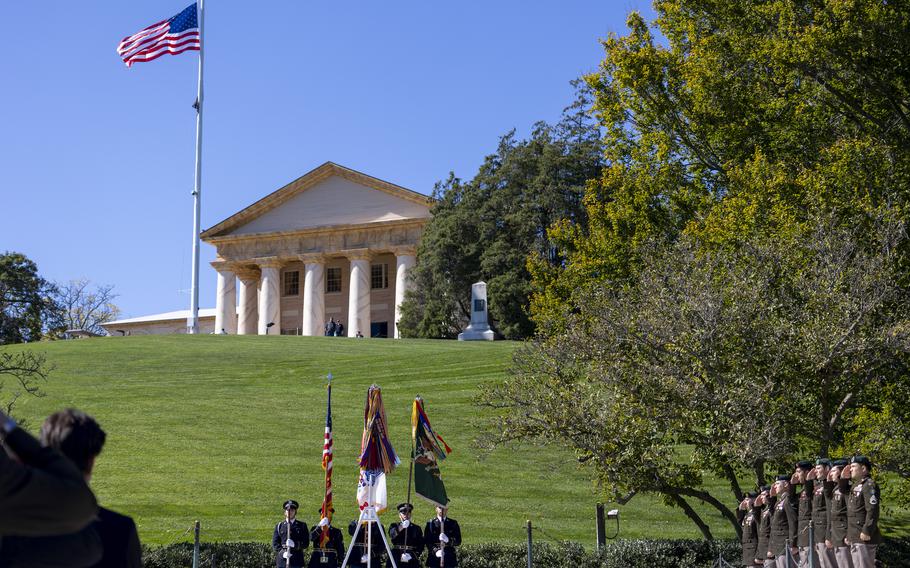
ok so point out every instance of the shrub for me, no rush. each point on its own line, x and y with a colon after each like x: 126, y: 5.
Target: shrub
x: 894, y: 553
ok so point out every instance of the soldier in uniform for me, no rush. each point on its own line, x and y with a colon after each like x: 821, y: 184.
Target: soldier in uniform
x: 804, y: 511
x: 441, y: 536
x: 332, y: 554
x: 359, y: 556
x: 407, y: 539
x: 763, y: 556
x: 783, y: 522
x: 749, y: 513
x: 820, y: 497
x: 289, y: 545
x: 837, y: 513
x: 862, y: 514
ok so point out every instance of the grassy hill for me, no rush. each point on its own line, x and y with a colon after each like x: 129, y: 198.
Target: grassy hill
x: 225, y: 428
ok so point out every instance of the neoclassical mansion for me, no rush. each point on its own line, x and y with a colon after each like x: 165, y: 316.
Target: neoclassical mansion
x: 333, y: 244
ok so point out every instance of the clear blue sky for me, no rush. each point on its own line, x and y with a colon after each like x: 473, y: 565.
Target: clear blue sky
x: 96, y: 160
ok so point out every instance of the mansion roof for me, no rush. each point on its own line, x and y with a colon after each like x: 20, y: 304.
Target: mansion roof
x: 326, y: 197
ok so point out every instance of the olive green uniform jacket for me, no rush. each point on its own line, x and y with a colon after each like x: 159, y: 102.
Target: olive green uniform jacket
x: 862, y: 512
x: 783, y: 525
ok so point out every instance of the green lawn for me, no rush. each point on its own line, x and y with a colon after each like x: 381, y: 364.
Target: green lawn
x: 225, y: 428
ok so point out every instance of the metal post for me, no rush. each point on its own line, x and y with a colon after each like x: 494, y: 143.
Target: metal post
x: 196, y: 546
x: 530, y: 556
x: 193, y: 319
x: 811, y: 560
x: 601, y: 527
x: 788, y: 555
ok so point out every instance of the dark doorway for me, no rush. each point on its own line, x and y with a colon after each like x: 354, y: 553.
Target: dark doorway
x: 379, y: 329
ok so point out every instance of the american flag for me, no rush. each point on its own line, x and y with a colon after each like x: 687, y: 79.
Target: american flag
x: 174, y: 35
x: 327, y: 458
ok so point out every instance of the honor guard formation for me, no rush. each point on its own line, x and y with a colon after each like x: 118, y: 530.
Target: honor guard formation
x: 831, y: 520
x: 439, y: 539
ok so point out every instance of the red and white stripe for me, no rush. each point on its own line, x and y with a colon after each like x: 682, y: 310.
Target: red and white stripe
x: 155, y: 41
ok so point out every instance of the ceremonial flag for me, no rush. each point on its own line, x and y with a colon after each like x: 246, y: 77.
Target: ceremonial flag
x: 429, y: 449
x: 327, y: 458
x: 174, y: 35
x: 377, y: 456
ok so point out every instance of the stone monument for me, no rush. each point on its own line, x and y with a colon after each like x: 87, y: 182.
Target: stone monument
x: 479, y: 328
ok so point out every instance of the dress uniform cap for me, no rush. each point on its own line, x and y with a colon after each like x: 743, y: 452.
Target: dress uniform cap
x: 405, y: 507
x: 782, y: 478
x: 804, y: 464
x: 764, y: 488
x: 752, y: 494
x: 839, y: 463
x: 823, y: 461
x: 862, y: 460
x: 291, y: 504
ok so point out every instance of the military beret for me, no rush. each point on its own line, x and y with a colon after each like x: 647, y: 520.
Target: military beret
x: 862, y: 460
x: 823, y: 461
x: 752, y: 494
x: 291, y: 504
x: 839, y: 463
x: 804, y: 464
x: 405, y: 507
x: 782, y: 478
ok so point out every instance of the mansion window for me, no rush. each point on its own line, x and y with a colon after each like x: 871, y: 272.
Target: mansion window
x: 292, y: 283
x: 379, y: 276
x: 333, y: 279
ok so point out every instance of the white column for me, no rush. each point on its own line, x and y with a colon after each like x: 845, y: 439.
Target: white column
x: 404, y: 260
x: 225, y: 300
x: 249, y: 298
x: 313, y: 295
x: 359, y: 296
x: 269, y: 299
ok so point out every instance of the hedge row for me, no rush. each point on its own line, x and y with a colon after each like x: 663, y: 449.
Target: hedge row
x: 895, y: 553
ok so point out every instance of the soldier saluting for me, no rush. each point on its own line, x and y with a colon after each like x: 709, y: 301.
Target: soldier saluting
x: 804, y: 509
x: 783, y: 522
x: 821, y: 494
x: 750, y: 516
x: 407, y: 540
x: 837, y: 513
x: 763, y: 556
x: 862, y: 514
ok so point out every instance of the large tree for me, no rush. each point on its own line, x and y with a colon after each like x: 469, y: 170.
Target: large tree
x: 27, y: 307
x: 728, y: 116
x: 86, y: 307
x: 486, y: 228
x: 730, y: 362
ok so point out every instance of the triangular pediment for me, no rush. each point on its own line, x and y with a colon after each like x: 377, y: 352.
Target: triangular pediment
x: 330, y: 195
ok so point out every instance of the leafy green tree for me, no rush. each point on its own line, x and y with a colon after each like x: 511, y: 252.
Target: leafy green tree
x: 729, y: 117
x: 733, y: 362
x: 27, y: 307
x: 486, y: 228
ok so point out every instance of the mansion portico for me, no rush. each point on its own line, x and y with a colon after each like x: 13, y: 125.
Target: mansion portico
x: 333, y: 244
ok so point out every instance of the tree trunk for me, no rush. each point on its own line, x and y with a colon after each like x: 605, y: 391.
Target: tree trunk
x: 690, y: 512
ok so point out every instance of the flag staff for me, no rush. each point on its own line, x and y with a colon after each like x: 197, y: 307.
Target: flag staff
x: 192, y: 322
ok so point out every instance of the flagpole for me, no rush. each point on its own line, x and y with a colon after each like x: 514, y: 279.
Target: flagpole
x: 193, y: 319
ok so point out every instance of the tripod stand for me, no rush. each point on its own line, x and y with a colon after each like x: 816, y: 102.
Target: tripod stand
x: 368, y: 517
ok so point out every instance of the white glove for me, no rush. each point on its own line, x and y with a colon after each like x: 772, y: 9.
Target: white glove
x: 290, y: 543
x: 443, y: 538
x: 439, y: 553
x: 287, y: 554
x: 323, y: 522
x: 364, y: 558
x: 405, y: 557
x: 405, y: 523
